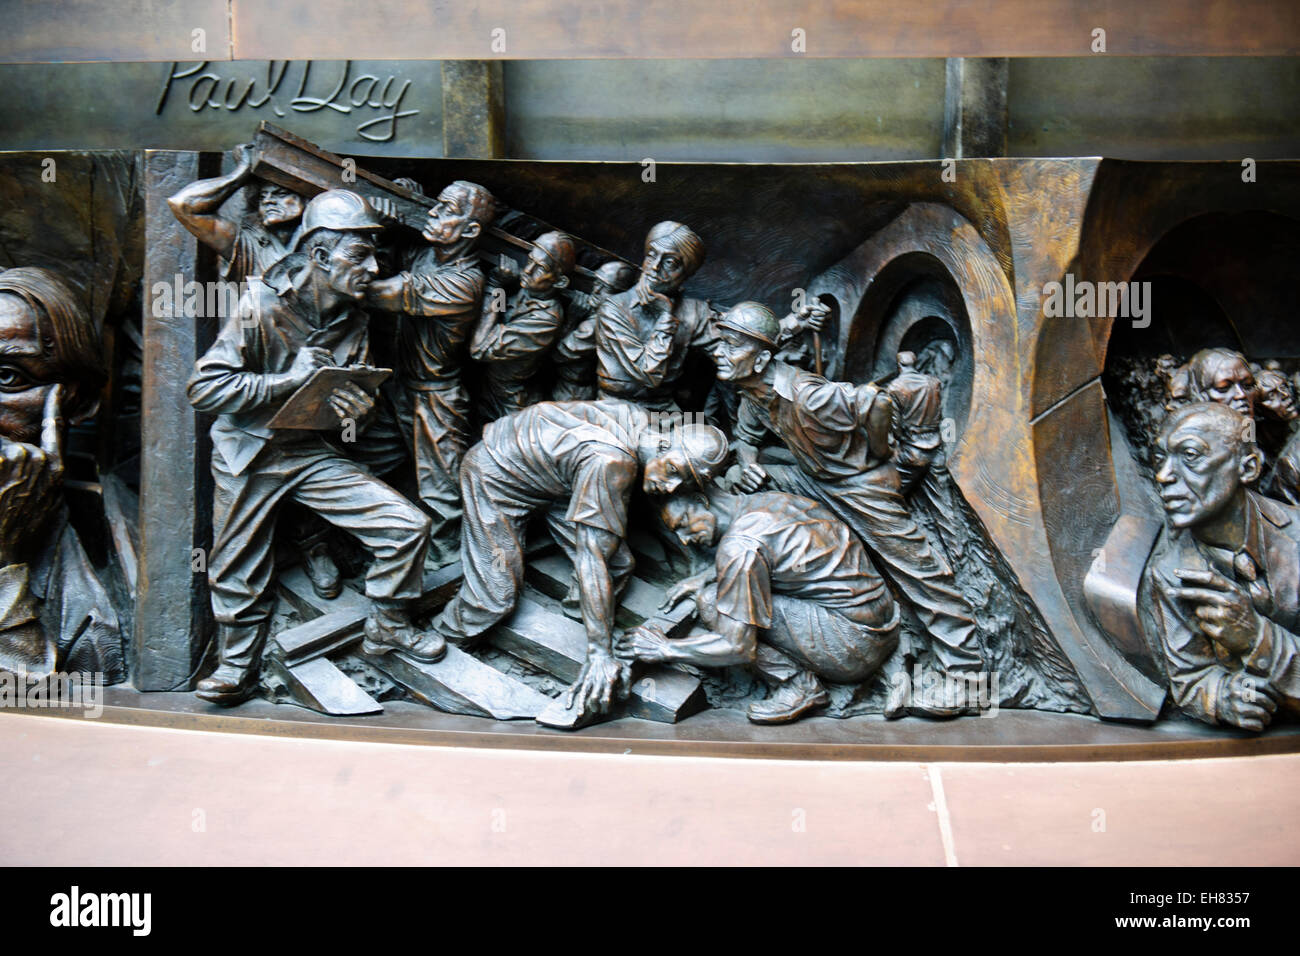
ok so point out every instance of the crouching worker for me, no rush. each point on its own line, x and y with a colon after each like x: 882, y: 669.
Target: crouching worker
x: 303, y: 315
x: 577, y: 463
x: 792, y: 592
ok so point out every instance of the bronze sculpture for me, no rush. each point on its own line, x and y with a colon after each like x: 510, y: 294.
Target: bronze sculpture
x: 300, y: 318
x: 791, y: 592
x: 839, y: 435
x: 515, y: 341
x: 1225, y: 576
x: 54, y: 610
x: 576, y: 463
x: 439, y: 294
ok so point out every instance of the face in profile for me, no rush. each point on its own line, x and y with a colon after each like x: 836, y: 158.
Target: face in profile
x: 278, y: 206
x: 1201, y: 465
x: 26, y: 373
x: 1274, y: 394
x: 449, y: 218
x: 689, y: 518
x: 352, y: 266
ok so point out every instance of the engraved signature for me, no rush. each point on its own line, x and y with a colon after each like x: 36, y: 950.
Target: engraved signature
x: 205, y: 87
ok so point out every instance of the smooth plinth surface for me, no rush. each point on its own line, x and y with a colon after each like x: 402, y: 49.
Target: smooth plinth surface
x: 1007, y: 735
x: 93, y: 792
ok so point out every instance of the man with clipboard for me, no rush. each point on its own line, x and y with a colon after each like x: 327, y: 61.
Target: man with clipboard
x: 273, y: 441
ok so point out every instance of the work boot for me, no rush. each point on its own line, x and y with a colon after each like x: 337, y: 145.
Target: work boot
x: 239, y: 649
x: 322, y: 572
x: 794, y: 698
x: 227, y: 685
x: 390, y: 629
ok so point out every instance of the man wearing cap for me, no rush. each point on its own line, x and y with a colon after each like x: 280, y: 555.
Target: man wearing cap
x: 643, y: 336
x: 440, y: 298
x: 250, y: 249
x: 1224, y: 577
x: 575, y: 353
x: 513, y: 343
x: 791, y: 591
x: 301, y: 316
x: 577, y: 463
x: 839, y: 435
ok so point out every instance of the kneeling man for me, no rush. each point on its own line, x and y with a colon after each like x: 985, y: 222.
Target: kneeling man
x: 792, y: 592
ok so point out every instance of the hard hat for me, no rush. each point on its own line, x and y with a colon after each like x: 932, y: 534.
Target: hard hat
x: 754, y: 320
x: 705, y: 449
x: 338, y: 209
x: 559, y: 249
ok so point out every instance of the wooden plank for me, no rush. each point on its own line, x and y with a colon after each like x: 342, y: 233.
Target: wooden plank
x: 640, y: 601
x: 557, y: 645
x: 319, y: 636
x: 122, y: 31
x: 461, y: 684
x: 319, y: 685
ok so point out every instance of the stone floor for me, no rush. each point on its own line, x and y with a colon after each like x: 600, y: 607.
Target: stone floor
x: 81, y: 792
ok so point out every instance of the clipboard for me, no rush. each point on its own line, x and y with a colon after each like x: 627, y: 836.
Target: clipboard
x: 307, y: 408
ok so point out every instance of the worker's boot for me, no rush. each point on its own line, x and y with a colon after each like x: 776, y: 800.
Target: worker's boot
x: 322, y: 571
x: 235, y: 678
x: 792, y: 699
x: 389, y: 628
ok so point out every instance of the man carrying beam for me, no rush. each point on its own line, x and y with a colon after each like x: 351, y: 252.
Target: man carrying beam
x: 577, y: 463
x: 513, y: 342
x: 440, y: 298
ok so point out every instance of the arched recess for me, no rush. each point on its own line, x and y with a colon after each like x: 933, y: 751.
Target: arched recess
x: 1218, y: 278
x: 930, y: 262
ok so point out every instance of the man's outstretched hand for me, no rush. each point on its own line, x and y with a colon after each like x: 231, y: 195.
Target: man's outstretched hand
x: 603, y: 682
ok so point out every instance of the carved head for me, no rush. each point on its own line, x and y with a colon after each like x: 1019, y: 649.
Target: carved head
x: 747, y: 341
x: 277, y: 206
x: 1204, y: 459
x: 46, y: 338
x: 337, y: 240
x: 549, y: 263
x: 614, y: 277
x: 688, y: 456
x: 1222, y: 376
x: 687, y: 515
x: 459, y: 214
x: 672, y: 254
x: 1275, y: 394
